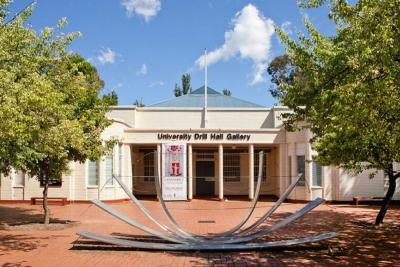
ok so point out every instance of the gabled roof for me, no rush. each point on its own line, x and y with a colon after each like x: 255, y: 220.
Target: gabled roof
x: 215, y: 99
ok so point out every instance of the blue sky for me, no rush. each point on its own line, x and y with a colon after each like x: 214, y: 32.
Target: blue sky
x: 142, y: 47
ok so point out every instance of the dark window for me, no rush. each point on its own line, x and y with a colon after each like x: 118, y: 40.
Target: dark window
x: 231, y: 167
x: 205, y: 155
x: 301, y: 168
x: 148, y: 165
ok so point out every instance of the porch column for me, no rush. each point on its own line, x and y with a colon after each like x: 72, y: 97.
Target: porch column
x: 251, y: 171
x: 221, y: 172
x: 190, y: 172
x: 282, y: 168
x: 101, y: 177
x: 158, y: 164
x: 127, y: 168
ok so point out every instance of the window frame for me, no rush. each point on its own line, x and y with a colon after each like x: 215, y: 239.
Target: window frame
x: 232, y: 166
x: 315, y: 167
x: 96, y: 162
x: 148, y: 165
x: 109, y: 181
x: 302, y: 181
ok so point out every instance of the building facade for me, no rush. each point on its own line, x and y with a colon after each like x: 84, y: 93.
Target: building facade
x: 222, y: 141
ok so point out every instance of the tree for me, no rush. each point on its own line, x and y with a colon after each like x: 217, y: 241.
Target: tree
x: 139, y: 103
x: 281, y: 71
x: 49, y: 106
x: 177, y: 90
x: 350, y: 94
x: 227, y: 92
x: 111, y: 98
x: 186, y: 87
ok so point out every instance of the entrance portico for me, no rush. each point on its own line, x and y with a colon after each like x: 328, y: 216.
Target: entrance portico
x: 212, y: 170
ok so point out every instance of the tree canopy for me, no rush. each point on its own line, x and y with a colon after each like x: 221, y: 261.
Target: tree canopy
x: 111, y: 98
x: 227, y: 92
x: 186, y: 87
x: 348, y: 93
x: 50, y: 108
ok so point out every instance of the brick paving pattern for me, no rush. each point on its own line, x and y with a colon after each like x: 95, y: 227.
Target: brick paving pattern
x: 359, y: 242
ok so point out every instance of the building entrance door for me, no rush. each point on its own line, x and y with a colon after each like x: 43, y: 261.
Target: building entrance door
x: 205, y: 179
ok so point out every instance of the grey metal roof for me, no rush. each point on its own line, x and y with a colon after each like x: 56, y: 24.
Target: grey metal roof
x: 214, y: 100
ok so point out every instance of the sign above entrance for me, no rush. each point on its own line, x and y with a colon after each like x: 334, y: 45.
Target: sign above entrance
x: 204, y: 136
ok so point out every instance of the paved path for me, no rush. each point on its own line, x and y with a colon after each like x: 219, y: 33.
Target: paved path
x: 359, y: 243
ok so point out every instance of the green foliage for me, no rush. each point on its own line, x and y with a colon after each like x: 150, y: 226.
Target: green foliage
x: 282, y: 71
x: 177, y: 90
x: 111, y: 99
x: 49, y: 106
x: 351, y: 96
x: 227, y: 92
x: 139, y: 103
x: 186, y: 87
x: 348, y: 93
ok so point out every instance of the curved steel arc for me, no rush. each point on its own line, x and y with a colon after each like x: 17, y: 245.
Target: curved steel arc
x: 223, y: 234
x: 273, y: 208
x: 268, y: 213
x: 135, y: 224
x: 229, y: 239
x: 276, y: 226
x: 258, y: 234
x: 206, y: 246
x: 148, y: 214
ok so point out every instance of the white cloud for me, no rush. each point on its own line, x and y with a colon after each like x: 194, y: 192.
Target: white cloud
x: 145, y: 8
x: 142, y: 70
x: 107, y: 56
x: 249, y: 38
x: 156, y: 83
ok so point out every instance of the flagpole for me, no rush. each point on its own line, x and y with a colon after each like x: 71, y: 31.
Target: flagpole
x: 205, y: 88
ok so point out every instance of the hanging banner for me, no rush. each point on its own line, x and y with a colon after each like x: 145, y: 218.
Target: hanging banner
x: 174, y: 181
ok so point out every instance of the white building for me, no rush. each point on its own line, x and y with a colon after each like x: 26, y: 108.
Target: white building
x: 222, y: 160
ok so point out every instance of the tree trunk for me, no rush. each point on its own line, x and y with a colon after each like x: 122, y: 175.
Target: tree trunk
x: 388, y: 197
x: 46, y: 218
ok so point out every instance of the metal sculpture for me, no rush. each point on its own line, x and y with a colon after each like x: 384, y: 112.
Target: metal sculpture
x: 178, y: 238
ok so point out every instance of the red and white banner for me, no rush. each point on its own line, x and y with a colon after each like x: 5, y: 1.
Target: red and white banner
x: 174, y: 181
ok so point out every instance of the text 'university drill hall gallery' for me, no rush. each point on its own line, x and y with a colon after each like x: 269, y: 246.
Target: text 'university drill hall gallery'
x: 214, y: 149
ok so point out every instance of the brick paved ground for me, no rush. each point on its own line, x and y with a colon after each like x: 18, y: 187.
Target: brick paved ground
x: 359, y: 243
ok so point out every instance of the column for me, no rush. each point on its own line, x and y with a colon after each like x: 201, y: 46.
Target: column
x: 127, y: 169
x: 221, y: 172
x: 101, y: 176
x: 158, y: 164
x: 282, y: 168
x: 308, y: 171
x: 251, y: 171
x: 190, y: 172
